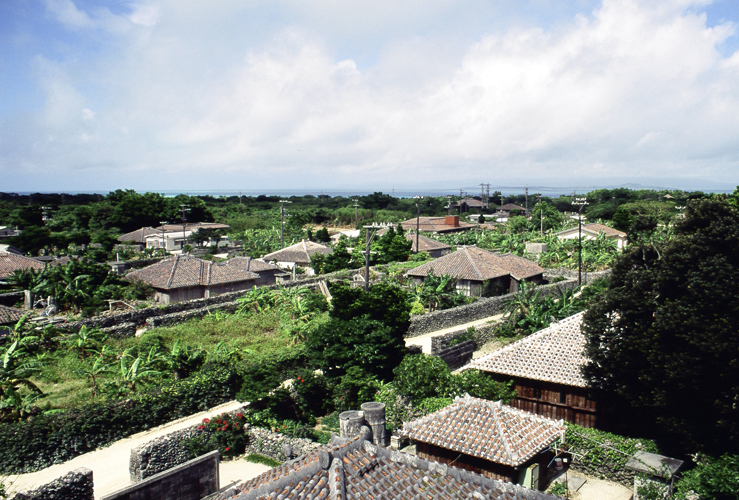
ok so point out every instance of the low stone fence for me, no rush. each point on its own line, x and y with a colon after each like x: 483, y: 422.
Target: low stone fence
x: 162, y: 453
x: 181, y: 317
x: 276, y: 446
x: 483, y: 308
x: 192, y: 480
x: 140, y: 316
x: 76, y: 485
x: 121, y: 331
x: 457, y: 355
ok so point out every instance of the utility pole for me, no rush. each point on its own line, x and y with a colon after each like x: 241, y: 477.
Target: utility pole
x: 581, y: 202
x: 368, y: 238
x: 449, y: 205
x: 487, y: 195
x: 527, y: 200
x: 418, y: 218
x: 541, y: 215
x: 282, y: 220
x: 184, y: 209
x: 163, y: 246
x: 356, y: 212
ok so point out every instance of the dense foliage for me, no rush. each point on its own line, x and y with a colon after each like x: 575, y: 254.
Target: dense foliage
x: 664, y: 337
x: 711, y: 479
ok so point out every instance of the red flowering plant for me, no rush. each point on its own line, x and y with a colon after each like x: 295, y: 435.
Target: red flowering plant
x: 225, y: 433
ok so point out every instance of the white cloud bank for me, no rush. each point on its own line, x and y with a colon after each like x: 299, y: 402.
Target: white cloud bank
x: 635, y: 89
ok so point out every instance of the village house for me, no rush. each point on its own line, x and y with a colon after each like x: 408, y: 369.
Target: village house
x: 355, y: 468
x: 481, y: 272
x: 170, y: 237
x: 9, y: 316
x: 432, y: 247
x: 438, y: 225
x: 265, y: 270
x: 182, y: 278
x: 465, y: 204
x: 297, y: 255
x: 545, y: 368
x: 11, y: 262
x: 592, y: 230
x: 488, y: 438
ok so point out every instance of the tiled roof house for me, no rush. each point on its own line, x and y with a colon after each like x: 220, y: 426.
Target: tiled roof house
x: 183, y: 278
x: 545, y: 367
x: 439, y: 225
x: 592, y: 230
x: 138, y: 236
x: 480, y: 272
x: 297, y: 254
x: 356, y: 469
x: 10, y: 315
x: 432, y: 247
x: 264, y: 270
x: 488, y: 438
x: 11, y: 262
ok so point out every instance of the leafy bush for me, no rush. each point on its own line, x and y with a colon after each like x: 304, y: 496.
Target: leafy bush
x: 419, y: 376
x: 48, y: 439
x: 596, y: 448
x: 260, y: 459
x: 355, y: 387
x: 225, y: 433
x: 712, y: 478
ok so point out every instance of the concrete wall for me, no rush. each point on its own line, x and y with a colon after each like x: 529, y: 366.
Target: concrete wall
x: 76, y: 485
x: 192, y: 480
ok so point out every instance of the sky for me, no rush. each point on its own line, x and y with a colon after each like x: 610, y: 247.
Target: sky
x: 183, y: 95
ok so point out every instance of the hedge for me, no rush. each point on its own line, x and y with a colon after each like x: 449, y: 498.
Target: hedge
x: 51, y: 439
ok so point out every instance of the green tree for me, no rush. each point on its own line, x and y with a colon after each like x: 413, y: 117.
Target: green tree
x: 663, y: 339
x: 339, y: 259
x: 322, y: 235
x: 546, y: 216
x: 711, y: 479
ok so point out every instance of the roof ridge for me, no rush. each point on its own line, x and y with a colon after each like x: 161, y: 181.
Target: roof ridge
x: 209, y: 265
x: 473, y: 262
x: 502, y: 432
x: 171, y: 273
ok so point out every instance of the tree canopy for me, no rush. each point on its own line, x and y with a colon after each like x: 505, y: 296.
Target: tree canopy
x: 664, y: 338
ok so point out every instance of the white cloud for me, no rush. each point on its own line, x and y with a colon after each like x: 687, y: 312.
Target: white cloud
x: 635, y: 88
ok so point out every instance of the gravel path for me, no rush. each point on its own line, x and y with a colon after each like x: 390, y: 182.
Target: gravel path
x: 110, y: 464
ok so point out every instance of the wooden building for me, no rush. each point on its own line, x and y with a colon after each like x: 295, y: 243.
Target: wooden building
x: 545, y: 367
x: 488, y: 438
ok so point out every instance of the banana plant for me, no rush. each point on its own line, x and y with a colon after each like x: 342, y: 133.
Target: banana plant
x: 85, y: 341
x: 182, y: 359
x: 17, y: 391
x: 137, y: 371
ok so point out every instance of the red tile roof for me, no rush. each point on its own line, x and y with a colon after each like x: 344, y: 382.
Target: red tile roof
x: 361, y: 470
x: 511, y: 206
x: 553, y: 354
x: 476, y: 264
x: 138, y: 236
x: 299, y: 253
x: 486, y: 429
x: 11, y: 262
x: 435, y: 225
x: 600, y: 228
x: 426, y: 244
x: 184, y: 271
x: 249, y: 264
x: 10, y: 314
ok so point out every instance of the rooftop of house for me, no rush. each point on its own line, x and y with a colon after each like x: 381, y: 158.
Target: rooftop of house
x: 11, y: 262
x: 471, y: 202
x: 249, y: 264
x: 476, y: 264
x: 183, y: 271
x: 358, y: 469
x: 426, y: 244
x: 486, y: 429
x: 436, y: 225
x: 10, y: 314
x: 511, y: 206
x: 595, y: 228
x: 554, y: 354
x: 139, y: 235
x: 10, y: 249
x: 299, y: 252
x: 192, y: 226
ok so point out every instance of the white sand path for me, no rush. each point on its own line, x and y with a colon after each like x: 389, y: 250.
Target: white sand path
x: 110, y: 464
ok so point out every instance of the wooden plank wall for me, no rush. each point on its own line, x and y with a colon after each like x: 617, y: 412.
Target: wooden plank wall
x: 556, y: 401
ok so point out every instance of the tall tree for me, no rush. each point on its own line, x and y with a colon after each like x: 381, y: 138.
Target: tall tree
x: 664, y: 339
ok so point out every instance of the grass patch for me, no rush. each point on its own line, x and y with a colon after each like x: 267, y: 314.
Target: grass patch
x: 261, y: 459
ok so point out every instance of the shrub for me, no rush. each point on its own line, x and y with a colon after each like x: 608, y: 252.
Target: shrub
x: 417, y: 308
x: 48, y: 439
x: 419, y: 376
x: 225, y: 433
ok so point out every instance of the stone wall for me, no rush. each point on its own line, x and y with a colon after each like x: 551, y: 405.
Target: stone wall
x: 76, y: 485
x: 276, y: 446
x: 192, y: 480
x: 483, y: 308
x: 610, y: 472
x: 121, y: 331
x: 181, y: 317
x: 457, y: 355
x: 140, y: 316
x: 11, y: 298
x: 161, y: 454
